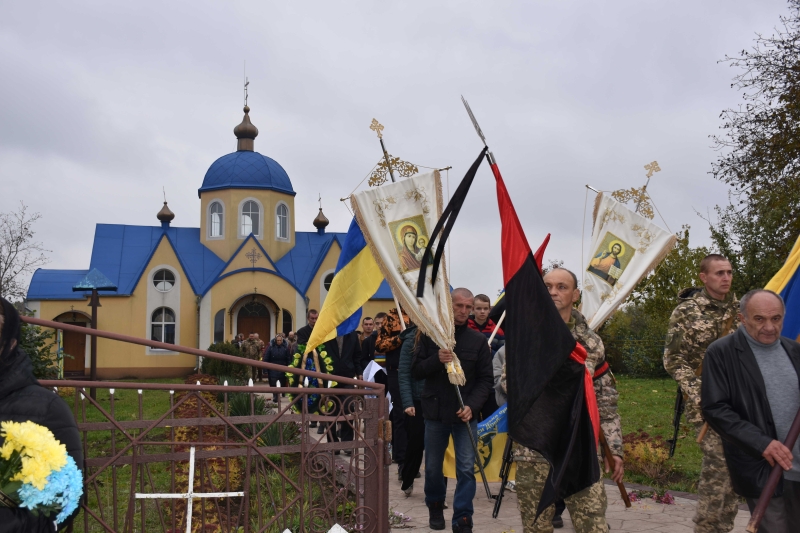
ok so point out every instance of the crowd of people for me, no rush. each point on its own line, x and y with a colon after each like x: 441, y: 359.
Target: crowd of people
x: 739, y: 377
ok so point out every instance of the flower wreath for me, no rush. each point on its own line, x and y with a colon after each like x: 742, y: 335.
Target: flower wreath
x: 307, y: 363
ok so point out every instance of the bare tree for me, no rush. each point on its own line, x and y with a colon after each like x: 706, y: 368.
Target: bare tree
x: 19, y: 253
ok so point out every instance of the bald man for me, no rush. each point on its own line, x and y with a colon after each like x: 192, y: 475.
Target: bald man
x: 750, y: 397
x: 444, y: 417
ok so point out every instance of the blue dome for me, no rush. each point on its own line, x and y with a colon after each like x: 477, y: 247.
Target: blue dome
x: 246, y: 170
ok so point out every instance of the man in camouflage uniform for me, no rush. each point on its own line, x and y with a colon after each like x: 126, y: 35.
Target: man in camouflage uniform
x: 588, y: 507
x: 703, y: 316
x: 253, y: 348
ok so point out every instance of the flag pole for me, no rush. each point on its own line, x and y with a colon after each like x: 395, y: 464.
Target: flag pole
x: 497, y: 327
x: 377, y: 127
x: 474, y: 446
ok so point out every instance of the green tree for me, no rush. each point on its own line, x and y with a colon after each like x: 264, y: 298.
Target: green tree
x: 38, y: 345
x: 760, y: 157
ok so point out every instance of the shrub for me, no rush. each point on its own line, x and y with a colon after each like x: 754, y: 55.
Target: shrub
x: 215, y: 367
x: 648, y: 456
x: 39, y: 347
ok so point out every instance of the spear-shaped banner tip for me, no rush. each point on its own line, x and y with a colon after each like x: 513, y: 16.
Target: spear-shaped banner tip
x: 474, y: 122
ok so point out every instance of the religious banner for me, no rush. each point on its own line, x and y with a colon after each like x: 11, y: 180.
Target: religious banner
x: 625, y: 247
x: 396, y: 220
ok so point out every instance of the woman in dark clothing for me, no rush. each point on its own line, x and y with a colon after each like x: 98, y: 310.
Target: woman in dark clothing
x: 23, y: 399
x: 410, y: 393
x: 278, y: 354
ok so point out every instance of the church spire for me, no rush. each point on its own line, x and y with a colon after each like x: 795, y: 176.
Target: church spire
x: 321, y: 222
x: 246, y: 132
x: 165, y: 215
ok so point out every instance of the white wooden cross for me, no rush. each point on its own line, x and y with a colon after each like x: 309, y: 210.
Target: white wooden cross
x: 191, y: 495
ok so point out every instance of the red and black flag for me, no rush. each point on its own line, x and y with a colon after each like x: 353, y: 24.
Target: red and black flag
x: 551, y: 403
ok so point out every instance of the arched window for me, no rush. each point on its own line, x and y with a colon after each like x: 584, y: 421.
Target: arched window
x: 287, y: 321
x: 251, y: 214
x: 162, y: 325
x: 219, y: 326
x: 328, y: 281
x: 164, y: 280
x: 215, y: 218
x: 282, y: 222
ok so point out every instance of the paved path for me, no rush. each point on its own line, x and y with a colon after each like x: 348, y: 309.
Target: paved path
x: 642, y: 516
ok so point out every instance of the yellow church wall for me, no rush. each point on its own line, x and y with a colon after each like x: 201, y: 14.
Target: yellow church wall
x: 241, y: 260
x: 373, y: 307
x: 231, y: 198
x: 229, y: 291
x: 314, y: 292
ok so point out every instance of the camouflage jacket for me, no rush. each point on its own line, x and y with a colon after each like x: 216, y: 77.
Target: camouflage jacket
x: 253, y: 348
x: 604, y: 388
x: 698, y: 321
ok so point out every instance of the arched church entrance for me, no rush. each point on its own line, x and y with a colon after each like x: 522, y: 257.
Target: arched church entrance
x: 254, y: 317
x: 73, y: 344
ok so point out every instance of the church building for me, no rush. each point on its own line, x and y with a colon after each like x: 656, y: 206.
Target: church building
x: 245, y: 269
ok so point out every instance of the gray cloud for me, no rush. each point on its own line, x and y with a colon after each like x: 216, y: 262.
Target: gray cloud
x: 102, y: 104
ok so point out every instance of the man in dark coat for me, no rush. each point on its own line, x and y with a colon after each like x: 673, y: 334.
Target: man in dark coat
x: 345, y: 353
x: 750, y: 397
x: 304, y: 333
x: 23, y: 399
x: 444, y: 417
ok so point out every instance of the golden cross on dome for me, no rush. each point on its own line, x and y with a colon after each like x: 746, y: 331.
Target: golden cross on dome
x: 377, y: 127
x: 253, y: 256
x: 651, y: 168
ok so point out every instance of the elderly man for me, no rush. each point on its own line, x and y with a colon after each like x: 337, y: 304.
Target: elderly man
x: 750, y: 396
x: 444, y: 417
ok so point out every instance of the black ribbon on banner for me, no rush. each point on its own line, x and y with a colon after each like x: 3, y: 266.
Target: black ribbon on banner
x: 446, y: 221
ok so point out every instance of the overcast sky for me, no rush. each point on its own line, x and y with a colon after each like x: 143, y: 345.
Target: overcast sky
x: 103, y: 103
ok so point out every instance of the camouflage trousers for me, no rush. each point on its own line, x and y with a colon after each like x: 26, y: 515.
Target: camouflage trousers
x: 587, y: 509
x: 717, y: 504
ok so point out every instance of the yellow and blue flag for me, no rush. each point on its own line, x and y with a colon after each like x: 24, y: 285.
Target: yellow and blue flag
x: 357, y: 279
x: 492, y: 437
x: 787, y: 283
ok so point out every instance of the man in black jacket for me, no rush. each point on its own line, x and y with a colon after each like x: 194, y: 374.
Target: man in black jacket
x: 444, y: 417
x: 345, y: 354
x: 750, y: 396
x: 304, y: 333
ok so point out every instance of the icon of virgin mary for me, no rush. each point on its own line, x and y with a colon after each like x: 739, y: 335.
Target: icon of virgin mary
x: 411, y: 253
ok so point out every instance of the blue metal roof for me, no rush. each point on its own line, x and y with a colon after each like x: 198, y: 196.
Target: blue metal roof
x: 50, y: 284
x: 246, y: 170
x: 302, y: 262
x: 122, y: 253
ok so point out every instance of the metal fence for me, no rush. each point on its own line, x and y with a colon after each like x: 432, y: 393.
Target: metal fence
x: 209, y: 457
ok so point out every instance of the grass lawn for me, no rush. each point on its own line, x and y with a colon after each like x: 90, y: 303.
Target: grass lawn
x: 647, y: 405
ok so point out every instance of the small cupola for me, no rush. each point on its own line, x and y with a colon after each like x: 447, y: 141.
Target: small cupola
x: 165, y: 215
x: 246, y: 132
x: 321, y: 222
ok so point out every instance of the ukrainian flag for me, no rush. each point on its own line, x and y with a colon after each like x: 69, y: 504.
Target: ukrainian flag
x: 787, y: 283
x: 357, y: 279
x: 492, y: 437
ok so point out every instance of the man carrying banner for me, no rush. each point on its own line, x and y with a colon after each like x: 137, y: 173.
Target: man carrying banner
x: 586, y: 508
x: 704, y: 316
x: 444, y: 417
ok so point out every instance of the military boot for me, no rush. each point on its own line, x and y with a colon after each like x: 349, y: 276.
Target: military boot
x: 436, y: 515
x: 464, y: 525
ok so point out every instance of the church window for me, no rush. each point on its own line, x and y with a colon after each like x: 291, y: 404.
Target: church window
x: 287, y: 321
x: 215, y: 220
x: 250, y: 218
x: 219, y: 326
x: 328, y: 281
x: 282, y: 223
x: 163, y: 325
x: 164, y: 280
